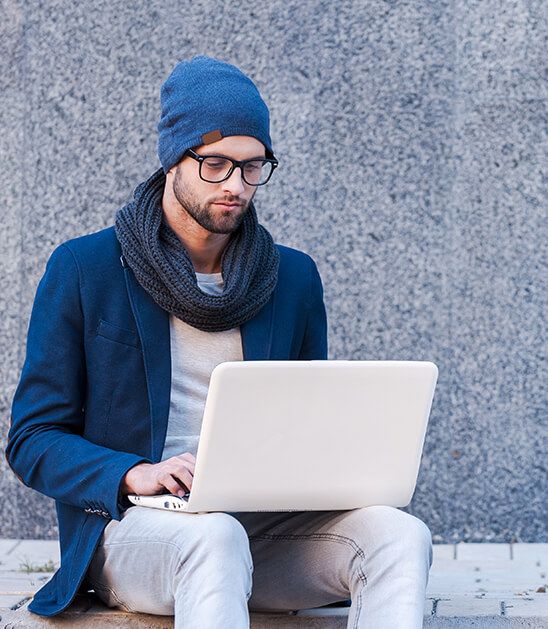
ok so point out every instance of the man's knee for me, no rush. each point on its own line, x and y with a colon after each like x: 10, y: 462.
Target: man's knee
x: 221, y: 537
x: 395, y: 528
x: 224, y: 531
x: 220, y: 550
x: 417, y: 535
x: 184, y: 535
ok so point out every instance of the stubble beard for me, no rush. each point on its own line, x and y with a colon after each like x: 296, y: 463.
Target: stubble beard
x: 220, y: 222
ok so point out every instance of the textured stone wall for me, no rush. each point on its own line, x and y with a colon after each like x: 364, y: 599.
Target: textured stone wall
x: 409, y: 135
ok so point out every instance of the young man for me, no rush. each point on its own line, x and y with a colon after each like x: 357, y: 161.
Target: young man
x: 126, y: 327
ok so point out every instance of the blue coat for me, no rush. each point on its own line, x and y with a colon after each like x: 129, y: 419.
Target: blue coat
x: 93, y: 398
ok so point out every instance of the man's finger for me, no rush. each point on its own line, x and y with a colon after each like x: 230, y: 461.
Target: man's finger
x: 177, y: 464
x: 184, y: 477
x: 174, y: 487
x: 179, y: 461
x: 187, y: 457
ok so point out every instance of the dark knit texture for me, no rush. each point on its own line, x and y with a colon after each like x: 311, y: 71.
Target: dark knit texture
x: 162, y: 266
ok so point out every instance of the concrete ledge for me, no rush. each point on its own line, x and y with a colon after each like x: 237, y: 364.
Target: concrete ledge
x: 484, y: 586
x: 99, y: 618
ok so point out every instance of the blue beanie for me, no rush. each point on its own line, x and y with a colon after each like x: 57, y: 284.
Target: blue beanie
x: 204, y: 100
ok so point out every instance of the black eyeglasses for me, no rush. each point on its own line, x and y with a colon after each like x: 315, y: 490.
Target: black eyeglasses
x: 217, y: 168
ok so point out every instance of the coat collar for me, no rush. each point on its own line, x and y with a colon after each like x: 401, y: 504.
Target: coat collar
x: 153, y: 327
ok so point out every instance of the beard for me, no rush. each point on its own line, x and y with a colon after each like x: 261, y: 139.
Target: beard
x: 220, y: 222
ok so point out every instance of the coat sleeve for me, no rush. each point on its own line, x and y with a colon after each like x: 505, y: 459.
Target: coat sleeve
x: 46, y: 448
x: 314, y: 346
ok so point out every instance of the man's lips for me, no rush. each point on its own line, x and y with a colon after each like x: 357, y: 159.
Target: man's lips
x: 229, y: 205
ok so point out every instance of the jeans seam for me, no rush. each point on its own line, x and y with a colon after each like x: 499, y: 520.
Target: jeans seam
x: 101, y: 586
x: 144, y: 541
x: 341, y: 539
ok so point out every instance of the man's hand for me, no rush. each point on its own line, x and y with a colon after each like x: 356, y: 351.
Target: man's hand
x: 174, y: 474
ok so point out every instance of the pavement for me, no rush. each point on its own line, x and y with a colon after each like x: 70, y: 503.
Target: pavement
x: 482, y: 586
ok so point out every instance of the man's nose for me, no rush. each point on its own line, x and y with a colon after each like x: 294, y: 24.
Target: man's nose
x: 234, y: 184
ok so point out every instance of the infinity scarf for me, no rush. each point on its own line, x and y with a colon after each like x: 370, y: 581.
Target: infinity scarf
x: 162, y: 266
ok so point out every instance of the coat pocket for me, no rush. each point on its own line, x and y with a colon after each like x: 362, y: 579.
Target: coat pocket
x: 115, y: 333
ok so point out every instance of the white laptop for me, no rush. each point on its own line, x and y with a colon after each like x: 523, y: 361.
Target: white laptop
x: 308, y: 435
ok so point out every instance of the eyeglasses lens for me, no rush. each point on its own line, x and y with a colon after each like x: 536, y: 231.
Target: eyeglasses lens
x: 215, y: 169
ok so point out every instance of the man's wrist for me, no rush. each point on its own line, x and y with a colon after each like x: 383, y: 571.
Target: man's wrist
x: 126, y: 486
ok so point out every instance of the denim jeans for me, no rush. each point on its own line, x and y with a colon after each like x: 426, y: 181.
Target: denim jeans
x: 209, y: 569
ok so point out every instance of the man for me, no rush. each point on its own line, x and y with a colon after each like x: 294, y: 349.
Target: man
x: 126, y: 328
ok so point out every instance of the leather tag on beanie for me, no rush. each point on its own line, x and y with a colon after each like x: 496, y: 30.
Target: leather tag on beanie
x: 212, y: 136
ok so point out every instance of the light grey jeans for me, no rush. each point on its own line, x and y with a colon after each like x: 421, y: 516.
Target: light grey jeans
x: 208, y: 569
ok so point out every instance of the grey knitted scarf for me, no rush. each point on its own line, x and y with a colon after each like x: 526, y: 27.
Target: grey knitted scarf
x: 161, y: 264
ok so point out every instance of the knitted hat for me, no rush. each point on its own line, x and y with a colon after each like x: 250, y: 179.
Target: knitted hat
x: 204, y: 100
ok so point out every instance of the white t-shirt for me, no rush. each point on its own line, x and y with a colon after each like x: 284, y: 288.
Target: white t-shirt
x: 194, y: 355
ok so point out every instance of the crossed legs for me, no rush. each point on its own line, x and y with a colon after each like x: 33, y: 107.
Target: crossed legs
x: 208, y: 569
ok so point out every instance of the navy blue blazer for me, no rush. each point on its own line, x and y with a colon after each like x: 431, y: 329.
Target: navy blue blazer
x: 93, y: 398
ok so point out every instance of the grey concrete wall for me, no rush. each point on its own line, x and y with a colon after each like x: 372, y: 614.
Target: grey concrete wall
x: 410, y: 139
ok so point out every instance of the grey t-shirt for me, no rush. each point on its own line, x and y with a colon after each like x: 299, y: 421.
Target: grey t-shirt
x: 194, y: 355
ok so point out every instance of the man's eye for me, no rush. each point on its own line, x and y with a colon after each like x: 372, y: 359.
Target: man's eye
x: 215, y: 164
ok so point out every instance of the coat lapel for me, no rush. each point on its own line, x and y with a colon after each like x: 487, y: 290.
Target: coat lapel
x: 153, y: 326
x: 257, y: 334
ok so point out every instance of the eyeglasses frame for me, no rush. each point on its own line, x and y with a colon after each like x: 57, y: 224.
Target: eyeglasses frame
x: 235, y: 164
